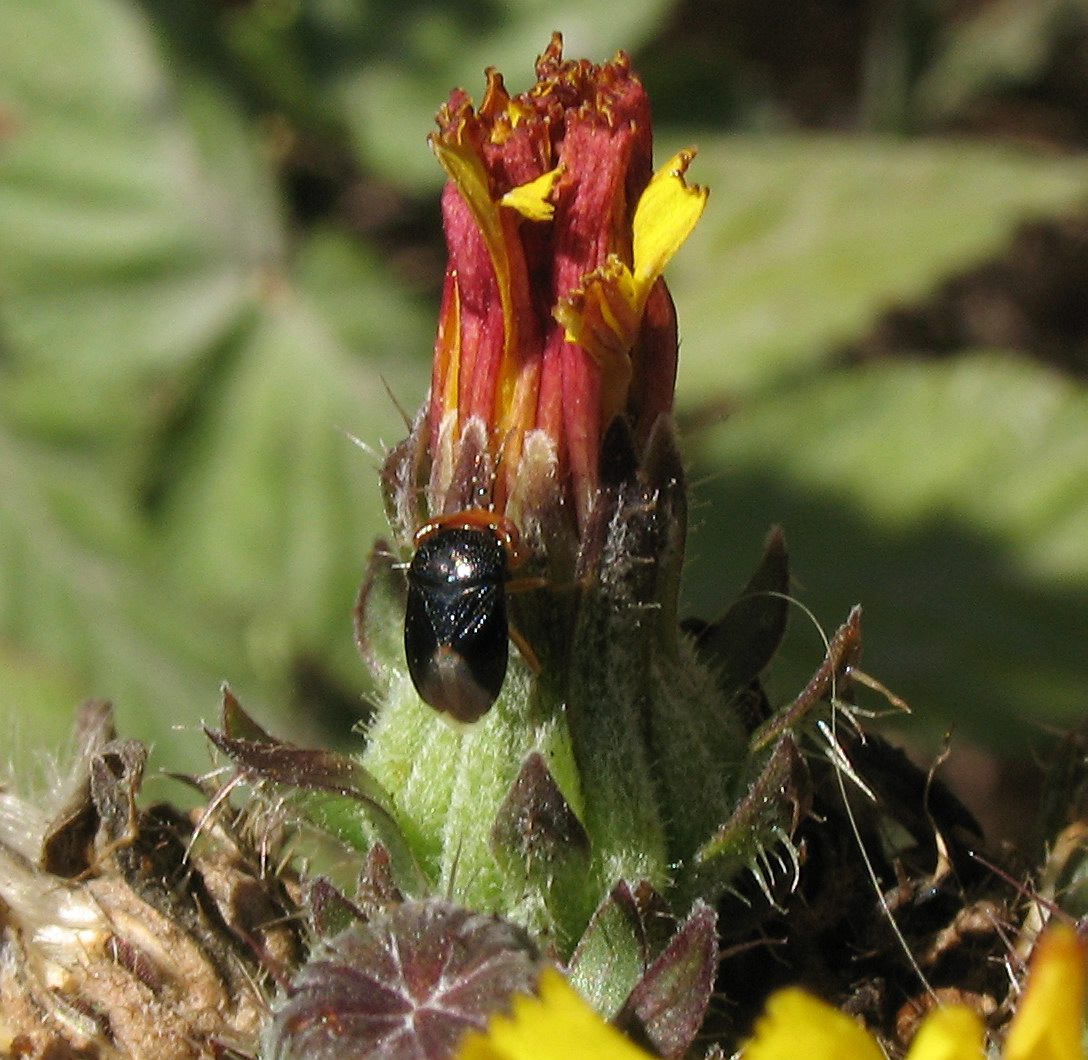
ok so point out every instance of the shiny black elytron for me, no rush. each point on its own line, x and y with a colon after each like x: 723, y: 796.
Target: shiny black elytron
x: 456, y: 630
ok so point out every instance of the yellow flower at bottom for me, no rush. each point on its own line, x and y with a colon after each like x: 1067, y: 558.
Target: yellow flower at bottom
x: 1049, y: 1021
x: 797, y: 1024
x: 950, y: 1033
x: 557, y: 1024
x: 1048, y: 1025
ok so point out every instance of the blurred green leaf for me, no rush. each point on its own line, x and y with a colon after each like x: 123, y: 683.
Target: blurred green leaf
x: 949, y: 499
x: 135, y: 219
x: 804, y: 241
x: 271, y: 505
x: 941, y: 497
x: 1002, y: 45
x: 169, y: 350
x: 83, y: 611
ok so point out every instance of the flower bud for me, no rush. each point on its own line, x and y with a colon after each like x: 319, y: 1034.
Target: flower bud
x: 555, y: 319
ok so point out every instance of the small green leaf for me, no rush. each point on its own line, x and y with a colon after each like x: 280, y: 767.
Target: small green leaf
x: 669, y: 1004
x: 538, y: 836
x: 330, y: 791
x: 743, y: 641
x: 618, y: 945
x: 767, y: 814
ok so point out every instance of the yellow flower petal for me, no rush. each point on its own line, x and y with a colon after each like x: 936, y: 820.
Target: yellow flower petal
x: 556, y: 1024
x: 666, y: 215
x: 447, y: 349
x: 466, y: 169
x: 797, y: 1026
x: 1049, y: 1021
x: 533, y: 200
x: 952, y: 1033
x: 604, y: 313
x: 600, y: 316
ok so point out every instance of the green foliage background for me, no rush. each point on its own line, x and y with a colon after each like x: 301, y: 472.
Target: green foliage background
x: 219, y: 260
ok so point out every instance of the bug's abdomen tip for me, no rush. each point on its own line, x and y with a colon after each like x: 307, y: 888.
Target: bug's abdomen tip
x: 447, y: 682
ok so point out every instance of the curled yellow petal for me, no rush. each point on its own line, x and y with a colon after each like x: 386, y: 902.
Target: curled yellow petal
x: 604, y: 313
x: 533, y: 200
x: 952, y: 1033
x: 601, y: 316
x: 666, y: 215
x: 1049, y: 1021
x: 514, y: 393
x: 600, y: 313
x: 796, y: 1025
x: 556, y: 1024
x: 466, y: 169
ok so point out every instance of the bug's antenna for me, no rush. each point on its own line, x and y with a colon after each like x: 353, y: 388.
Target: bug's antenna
x: 396, y: 404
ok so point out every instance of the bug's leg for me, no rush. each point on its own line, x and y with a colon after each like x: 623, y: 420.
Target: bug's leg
x: 526, y: 651
x: 524, y: 585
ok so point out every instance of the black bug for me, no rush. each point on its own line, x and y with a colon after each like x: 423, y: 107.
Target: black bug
x: 456, y: 628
